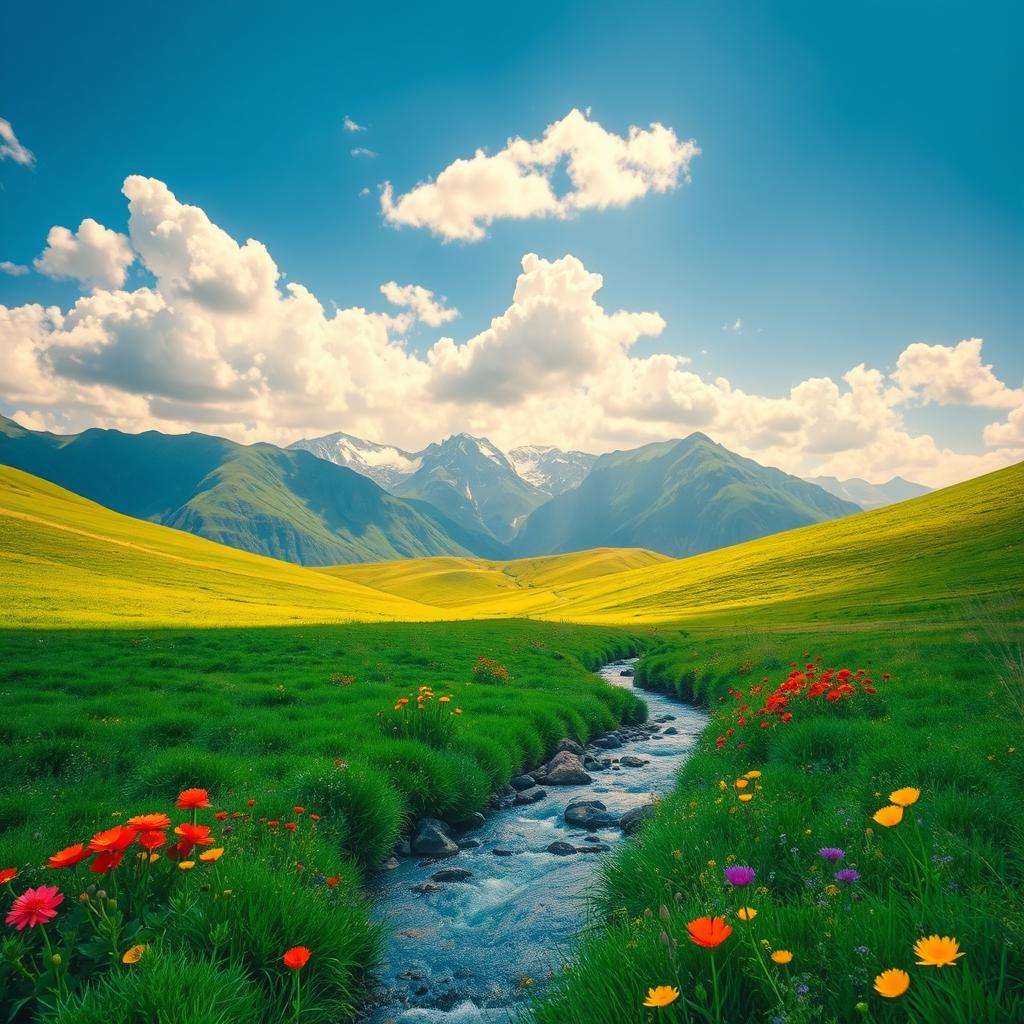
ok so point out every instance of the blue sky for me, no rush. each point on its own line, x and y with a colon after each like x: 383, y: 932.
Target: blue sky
x: 859, y: 186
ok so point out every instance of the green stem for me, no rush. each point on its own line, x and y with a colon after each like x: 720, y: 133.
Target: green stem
x: 714, y: 987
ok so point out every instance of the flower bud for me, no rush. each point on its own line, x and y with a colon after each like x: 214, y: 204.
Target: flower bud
x: 663, y: 912
x: 56, y: 960
x: 111, y: 905
x: 101, y: 894
x: 83, y: 898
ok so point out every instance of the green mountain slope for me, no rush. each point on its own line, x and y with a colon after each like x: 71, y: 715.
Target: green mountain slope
x: 678, y: 498
x: 474, y: 484
x: 286, y: 504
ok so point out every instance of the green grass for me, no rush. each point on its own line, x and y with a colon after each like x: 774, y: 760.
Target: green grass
x: 954, y: 866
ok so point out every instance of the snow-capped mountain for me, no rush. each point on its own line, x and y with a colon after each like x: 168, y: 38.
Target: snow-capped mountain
x: 473, y: 483
x: 550, y: 469
x: 869, y: 496
x: 382, y: 463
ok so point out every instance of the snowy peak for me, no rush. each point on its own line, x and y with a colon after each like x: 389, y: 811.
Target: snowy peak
x: 384, y: 464
x: 550, y: 469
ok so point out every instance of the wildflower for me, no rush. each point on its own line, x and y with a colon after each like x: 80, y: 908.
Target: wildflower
x: 133, y: 955
x: 7, y: 874
x: 250, y: 803
x: 738, y: 875
x: 193, y: 835
x: 832, y: 853
x: 752, y: 775
x: 457, y: 711
x: 847, y: 876
x: 782, y: 956
x: 112, y: 840
x: 331, y: 881
x: 709, y: 932
x: 661, y: 995
x: 905, y: 796
x: 35, y: 906
x: 215, y: 854
x: 298, y: 810
x: 892, y: 983
x: 937, y: 952
x: 106, y: 862
x: 314, y: 817
x: 222, y: 815
x: 148, y: 822
x: 186, y: 865
x: 746, y: 797
x: 444, y: 700
x: 831, y: 890
x: 297, y: 957
x: 152, y: 840
x: 889, y: 816
x: 741, y: 783
x: 746, y: 913
x: 69, y: 856
x: 291, y: 826
x: 192, y: 799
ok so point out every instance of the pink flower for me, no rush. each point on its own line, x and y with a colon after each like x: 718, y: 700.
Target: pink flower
x: 35, y: 906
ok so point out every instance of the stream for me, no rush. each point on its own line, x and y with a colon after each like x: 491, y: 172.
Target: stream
x: 459, y: 954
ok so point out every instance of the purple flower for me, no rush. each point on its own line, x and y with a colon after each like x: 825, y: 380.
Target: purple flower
x: 832, y: 853
x: 848, y: 875
x: 738, y: 875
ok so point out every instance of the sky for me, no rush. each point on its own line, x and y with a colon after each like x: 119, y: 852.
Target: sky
x: 796, y: 227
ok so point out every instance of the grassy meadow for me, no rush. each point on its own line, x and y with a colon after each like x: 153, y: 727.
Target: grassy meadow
x: 140, y: 663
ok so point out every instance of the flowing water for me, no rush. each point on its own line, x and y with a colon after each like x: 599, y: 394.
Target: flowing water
x: 459, y: 955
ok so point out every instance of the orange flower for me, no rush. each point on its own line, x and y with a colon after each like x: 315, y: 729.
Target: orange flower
x: 193, y: 835
x: 215, y: 854
x: 297, y: 957
x: 291, y: 826
x: 298, y: 810
x: 889, y: 816
x: 332, y: 881
x: 191, y: 799
x: 709, y: 932
x: 150, y: 822
x: 69, y: 856
x: 112, y: 840
x: 7, y: 874
x: 906, y: 796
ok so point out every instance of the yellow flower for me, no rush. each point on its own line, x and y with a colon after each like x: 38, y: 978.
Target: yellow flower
x: 721, y: 784
x: 214, y: 854
x: 154, y: 857
x: 892, y: 983
x: 661, y: 995
x: 905, y: 796
x: 741, y: 783
x: 133, y: 955
x: 782, y: 956
x: 746, y: 796
x: 228, y: 892
x: 186, y: 865
x: 889, y: 816
x: 457, y: 711
x: 746, y: 913
x: 831, y: 890
x: 444, y: 700
x: 752, y: 775
x: 933, y: 951
x: 712, y: 863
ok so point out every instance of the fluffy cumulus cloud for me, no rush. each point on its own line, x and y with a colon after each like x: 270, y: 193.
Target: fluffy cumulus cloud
x: 425, y: 307
x: 217, y: 342
x: 93, y: 255
x: 603, y: 169
x: 11, y: 148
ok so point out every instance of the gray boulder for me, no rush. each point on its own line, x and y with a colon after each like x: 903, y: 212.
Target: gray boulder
x: 632, y: 761
x: 589, y: 814
x: 531, y: 796
x: 521, y: 782
x: 608, y: 742
x: 633, y: 820
x: 452, y: 875
x: 570, y: 745
x: 566, y: 769
x: 560, y: 849
x: 430, y: 839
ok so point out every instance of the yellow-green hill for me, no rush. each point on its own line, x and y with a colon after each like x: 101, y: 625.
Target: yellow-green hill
x: 69, y: 562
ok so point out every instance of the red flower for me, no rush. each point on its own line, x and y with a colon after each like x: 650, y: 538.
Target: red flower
x: 191, y: 799
x: 250, y: 803
x: 193, y: 835
x: 112, y: 840
x: 299, y: 810
x: 221, y: 815
x: 332, y: 880
x: 291, y: 826
x: 153, y: 839
x: 7, y: 874
x: 297, y: 957
x: 314, y: 817
x: 106, y: 861
x: 273, y: 823
x: 150, y: 822
x: 35, y: 906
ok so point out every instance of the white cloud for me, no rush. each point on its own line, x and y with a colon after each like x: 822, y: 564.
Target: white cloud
x: 431, y: 311
x: 13, y: 269
x: 352, y: 126
x: 604, y: 169
x: 219, y: 343
x: 954, y: 375
x: 363, y: 151
x: 736, y: 326
x: 94, y: 255
x: 11, y: 148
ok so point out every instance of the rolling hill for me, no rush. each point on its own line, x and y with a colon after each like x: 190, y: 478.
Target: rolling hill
x: 678, y: 498
x: 67, y: 561
x: 260, y: 498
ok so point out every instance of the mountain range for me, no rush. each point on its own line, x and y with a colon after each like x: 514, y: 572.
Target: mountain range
x: 341, y: 499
